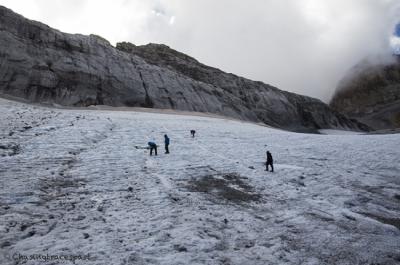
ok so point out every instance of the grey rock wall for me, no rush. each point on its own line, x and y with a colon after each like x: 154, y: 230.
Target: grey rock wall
x: 371, y: 93
x: 41, y: 64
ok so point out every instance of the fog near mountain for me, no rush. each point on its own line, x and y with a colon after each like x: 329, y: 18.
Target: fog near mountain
x: 303, y: 46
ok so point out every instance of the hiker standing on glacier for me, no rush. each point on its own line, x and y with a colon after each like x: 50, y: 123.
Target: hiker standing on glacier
x: 270, y: 162
x: 166, y: 142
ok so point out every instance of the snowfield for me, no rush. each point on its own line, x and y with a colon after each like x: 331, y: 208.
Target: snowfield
x: 72, y: 183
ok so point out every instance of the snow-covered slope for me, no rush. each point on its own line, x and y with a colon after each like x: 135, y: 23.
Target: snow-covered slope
x: 72, y: 183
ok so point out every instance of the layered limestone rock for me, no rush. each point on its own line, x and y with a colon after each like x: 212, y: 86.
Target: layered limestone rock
x: 371, y: 93
x: 41, y: 64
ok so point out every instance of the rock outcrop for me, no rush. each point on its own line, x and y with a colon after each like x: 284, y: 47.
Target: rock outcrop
x: 44, y: 65
x: 371, y: 93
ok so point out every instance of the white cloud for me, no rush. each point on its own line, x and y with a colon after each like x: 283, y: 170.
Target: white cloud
x: 304, y: 46
x: 172, y: 20
x: 395, y: 44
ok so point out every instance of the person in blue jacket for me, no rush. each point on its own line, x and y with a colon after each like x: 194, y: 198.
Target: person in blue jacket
x: 152, y: 146
x: 166, y: 142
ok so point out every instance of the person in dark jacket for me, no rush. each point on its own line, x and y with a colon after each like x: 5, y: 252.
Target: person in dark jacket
x: 192, y: 132
x: 152, y: 146
x: 270, y: 162
x: 166, y: 142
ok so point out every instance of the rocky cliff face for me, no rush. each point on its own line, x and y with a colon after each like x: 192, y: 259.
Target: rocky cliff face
x: 41, y: 64
x: 371, y: 93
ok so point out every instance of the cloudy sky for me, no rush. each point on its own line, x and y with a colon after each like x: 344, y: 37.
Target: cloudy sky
x: 304, y: 46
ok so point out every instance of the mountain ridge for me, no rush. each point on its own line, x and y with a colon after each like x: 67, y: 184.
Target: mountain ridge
x: 42, y: 64
x: 370, y: 92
